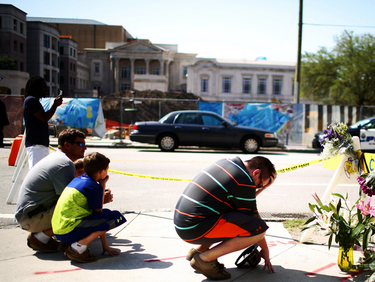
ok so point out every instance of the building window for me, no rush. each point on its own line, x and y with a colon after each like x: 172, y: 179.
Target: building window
x: 61, y: 80
x: 262, y: 86
x: 71, y: 66
x: 96, y: 68
x: 15, y: 25
x: 15, y: 45
x: 61, y: 65
x: 125, y: 86
x: 21, y: 66
x: 125, y: 72
x: 21, y: 48
x: 61, y: 50
x: 246, y: 85
x: 156, y: 71
x: 277, y: 85
x: 71, y: 52
x: 184, y: 72
x: 21, y: 27
x: 74, y: 81
x: 46, y: 58
x: 74, y: 53
x: 227, y: 84
x: 74, y: 67
x: 46, y: 75
x: 141, y: 70
x: 204, y: 85
x: 46, y: 42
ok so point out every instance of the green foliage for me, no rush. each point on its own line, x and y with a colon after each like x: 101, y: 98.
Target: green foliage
x: 346, y: 75
x: 7, y: 63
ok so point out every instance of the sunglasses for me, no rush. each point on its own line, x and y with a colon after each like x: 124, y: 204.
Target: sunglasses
x: 81, y: 144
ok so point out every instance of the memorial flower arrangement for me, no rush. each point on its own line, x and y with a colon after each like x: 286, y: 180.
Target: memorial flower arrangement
x: 348, y: 225
x: 336, y: 141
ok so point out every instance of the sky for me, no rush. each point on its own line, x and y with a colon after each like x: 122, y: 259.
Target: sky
x: 236, y: 29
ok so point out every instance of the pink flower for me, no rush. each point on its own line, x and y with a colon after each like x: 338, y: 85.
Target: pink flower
x: 361, y: 180
x: 366, y: 209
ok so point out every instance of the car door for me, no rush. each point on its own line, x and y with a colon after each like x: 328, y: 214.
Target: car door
x: 214, y: 133
x: 188, y: 129
x: 367, y: 136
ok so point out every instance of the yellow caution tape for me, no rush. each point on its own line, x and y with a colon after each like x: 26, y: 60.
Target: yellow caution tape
x: 283, y: 170
x: 150, y: 177
x: 287, y: 169
x: 291, y: 168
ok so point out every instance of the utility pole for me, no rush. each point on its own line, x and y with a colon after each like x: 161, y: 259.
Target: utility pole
x: 298, y: 68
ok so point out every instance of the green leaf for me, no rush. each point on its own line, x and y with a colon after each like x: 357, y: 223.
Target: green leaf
x: 312, y: 207
x: 330, y: 241
x: 333, y: 208
x: 311, y: 219
x: 338, y: 195
x: 366, y: 238
x: 358, y: 229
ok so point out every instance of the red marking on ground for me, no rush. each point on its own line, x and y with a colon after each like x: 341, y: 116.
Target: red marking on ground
x: 153, y: 260
x: 351, y: 275
x: 275, y: 243
x: 57, y: 271
x: 320, y: 269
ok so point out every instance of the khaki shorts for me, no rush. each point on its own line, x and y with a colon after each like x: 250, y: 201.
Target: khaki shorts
x: 39, y: 222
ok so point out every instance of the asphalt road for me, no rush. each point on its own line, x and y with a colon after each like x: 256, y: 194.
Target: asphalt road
x: 291, y: 192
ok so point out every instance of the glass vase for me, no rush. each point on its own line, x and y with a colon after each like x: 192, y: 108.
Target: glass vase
x: 345, y: 259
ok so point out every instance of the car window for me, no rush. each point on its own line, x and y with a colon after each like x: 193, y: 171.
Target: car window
x: 211, y: 120
x: 361, y: 122
x: 370, y: 125
x: 187, y: 118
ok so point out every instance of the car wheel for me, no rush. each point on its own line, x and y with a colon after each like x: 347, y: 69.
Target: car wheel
x: 250, y: 145
x: 168, y: 143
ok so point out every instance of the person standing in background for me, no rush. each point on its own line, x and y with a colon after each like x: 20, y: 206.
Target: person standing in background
x: 36, y: 119
x: 3, y: 122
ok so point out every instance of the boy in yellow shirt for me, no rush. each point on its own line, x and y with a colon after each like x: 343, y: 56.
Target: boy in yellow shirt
x: 79, y: 216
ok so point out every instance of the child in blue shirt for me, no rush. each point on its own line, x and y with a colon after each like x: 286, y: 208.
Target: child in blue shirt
x: 79, y: 216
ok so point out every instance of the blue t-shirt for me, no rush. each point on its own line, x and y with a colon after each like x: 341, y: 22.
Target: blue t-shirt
x: 36, y: 130
x: 78, y: 200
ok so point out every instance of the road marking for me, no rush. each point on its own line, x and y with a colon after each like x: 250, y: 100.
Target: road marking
x: 56, y: 271
x: 320, y: 269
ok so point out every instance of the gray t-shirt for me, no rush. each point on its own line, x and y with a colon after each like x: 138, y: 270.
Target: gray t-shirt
x: 44, y: 183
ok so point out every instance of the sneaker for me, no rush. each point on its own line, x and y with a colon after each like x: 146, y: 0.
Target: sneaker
x: 212, y: 270
x: 192, y: 252
x: 86, y: 256
x: 36, y: 245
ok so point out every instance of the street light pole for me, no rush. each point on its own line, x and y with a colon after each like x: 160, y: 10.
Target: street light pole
x: 298, y: 68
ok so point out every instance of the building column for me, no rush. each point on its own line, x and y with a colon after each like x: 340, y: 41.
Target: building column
x: 132, y: 60
x: 147, y: 66
x: 269, y: 91
x: 112, y: 75
x: 161, y: 67
x: 117, y: 74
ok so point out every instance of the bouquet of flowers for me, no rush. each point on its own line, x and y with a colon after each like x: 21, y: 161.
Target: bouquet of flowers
x: 337, y: 140
x: 349, y: 225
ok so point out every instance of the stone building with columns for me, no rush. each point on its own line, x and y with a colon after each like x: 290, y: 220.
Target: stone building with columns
x: 138, y: 65
x: 256, y: 81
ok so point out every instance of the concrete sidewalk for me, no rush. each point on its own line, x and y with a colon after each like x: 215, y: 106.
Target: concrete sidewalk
x: 152, y: 251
